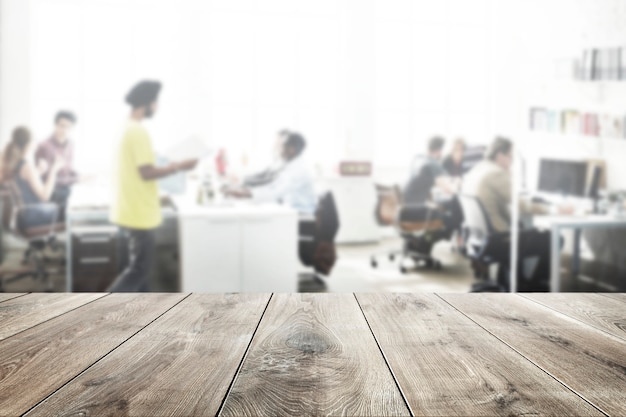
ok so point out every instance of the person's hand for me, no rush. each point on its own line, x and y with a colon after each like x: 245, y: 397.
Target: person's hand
x: 58, y: 163
x: 43, y: 166
x: 186, y: 165
x: 236, y: 192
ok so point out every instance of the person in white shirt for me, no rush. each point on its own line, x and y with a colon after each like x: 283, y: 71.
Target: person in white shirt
x: 293, y: 183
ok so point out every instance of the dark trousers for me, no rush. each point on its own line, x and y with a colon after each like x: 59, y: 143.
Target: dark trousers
x: 141, y: 247
x: 60, y: 196
x: 532, y: 244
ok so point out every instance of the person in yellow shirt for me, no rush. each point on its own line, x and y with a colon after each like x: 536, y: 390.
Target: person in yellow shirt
x: 136, y: 208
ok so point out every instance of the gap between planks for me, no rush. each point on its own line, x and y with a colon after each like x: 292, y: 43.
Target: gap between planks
x: 393, y: 375
x: 103, y: 356
x: 49, y: 318
x: 528, y: 359
x: 243, y: 358
x: 569, y: 315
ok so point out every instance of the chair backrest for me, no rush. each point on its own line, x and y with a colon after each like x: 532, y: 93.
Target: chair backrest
x: 11, y: 204
x: 327, y: 218
x: 476, y: 223
x: 418, y: 187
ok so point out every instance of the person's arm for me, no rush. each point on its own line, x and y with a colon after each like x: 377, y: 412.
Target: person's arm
x: 447, y: 184
x: 43, y: 161
x: 150, y: 172
x: 43, y: 190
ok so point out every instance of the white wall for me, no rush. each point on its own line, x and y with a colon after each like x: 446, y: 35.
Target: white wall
x: 15, y: 61
x: 368, y: 79
x: 561, y: 29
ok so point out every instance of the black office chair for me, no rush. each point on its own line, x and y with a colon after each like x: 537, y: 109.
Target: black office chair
x: 317, y: 236
x: 481, y: 241
x: 419, y: 225
x: 34, y: 262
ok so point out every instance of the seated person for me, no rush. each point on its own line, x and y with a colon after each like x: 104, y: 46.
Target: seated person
x: 293, y: 183
x: 453, y: 163
x: 59, y: 146
x: 267, y: 175
x: 490, y: 182
x: 427, y: 173
x: 35, y: 194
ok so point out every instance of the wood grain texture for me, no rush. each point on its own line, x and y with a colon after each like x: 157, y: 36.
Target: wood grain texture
x: 180, y: 365
x: 21, y: 313
x: 616, y: 296
x: 10, y: 296
x: 589, y: 361
x: 36, y: 362
x: 603, y: 313
x: 314, y: 354
x: 468, y: 371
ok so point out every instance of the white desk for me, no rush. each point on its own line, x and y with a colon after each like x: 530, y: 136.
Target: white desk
x: 558, y: 223
x: 237, y: 247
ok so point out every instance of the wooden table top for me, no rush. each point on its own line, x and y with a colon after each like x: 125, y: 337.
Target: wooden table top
x: 312, y: 354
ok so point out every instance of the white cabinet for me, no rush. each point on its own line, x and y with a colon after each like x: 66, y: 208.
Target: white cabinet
x: 269, y: 253
x: 241, y: 248
x: 355, y: 198
x: 209, y: 252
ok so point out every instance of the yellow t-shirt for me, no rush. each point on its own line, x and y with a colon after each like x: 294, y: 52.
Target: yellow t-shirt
x: 136, y: 204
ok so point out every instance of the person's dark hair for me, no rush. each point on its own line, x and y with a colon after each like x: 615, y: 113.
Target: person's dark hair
x: 64, y: 114
x: 296, y: 141
x: 143, y: 93
x: 499, y: 145
x: 436, y: 144
x: 15, y: 150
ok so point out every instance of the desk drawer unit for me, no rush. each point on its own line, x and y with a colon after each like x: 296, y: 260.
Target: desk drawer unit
x: 95, y: 260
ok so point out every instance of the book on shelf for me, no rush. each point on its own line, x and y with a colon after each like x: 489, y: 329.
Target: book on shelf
x: 538, y: 118
x: 590, y: 124
x: 552, y: 121
x: 570, y: 122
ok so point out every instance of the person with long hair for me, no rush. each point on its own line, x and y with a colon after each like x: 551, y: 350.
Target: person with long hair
x: 453, y: 163
x: 18, y: 166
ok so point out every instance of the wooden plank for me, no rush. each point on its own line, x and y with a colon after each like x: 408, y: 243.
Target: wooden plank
x: 25, y: 312
x: 468, y: 371
x: 314, y: 354
x: 36, y: 362
x: 180, y: 365
x: 9, y: 296
x: 616, y: 296
x: 589, y: 361
x: 607, y: 314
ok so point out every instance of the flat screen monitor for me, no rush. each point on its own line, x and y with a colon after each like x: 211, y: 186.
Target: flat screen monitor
x: 563, y: 177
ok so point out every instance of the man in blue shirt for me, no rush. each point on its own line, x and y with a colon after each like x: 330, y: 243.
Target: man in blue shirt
x: 292, y: 184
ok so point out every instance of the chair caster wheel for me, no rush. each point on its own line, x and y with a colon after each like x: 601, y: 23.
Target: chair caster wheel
x: 373, y: 263
x: 392, y: 258
x: 403, y: 270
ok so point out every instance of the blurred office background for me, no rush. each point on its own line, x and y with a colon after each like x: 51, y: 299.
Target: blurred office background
x: 363, y: 80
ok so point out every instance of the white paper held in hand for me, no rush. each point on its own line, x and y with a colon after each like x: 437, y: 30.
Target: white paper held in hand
x: 194, y: 147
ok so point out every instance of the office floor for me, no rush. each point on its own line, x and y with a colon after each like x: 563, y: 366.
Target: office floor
x: 353, y: 272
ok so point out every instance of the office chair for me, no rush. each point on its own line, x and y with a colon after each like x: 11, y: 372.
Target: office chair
x: 34, y: 261
x: 480, y: 238
x: 419, y: 225
x: 317, y: 235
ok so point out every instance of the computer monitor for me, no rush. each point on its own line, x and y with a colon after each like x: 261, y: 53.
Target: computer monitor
x: 563, y: 177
